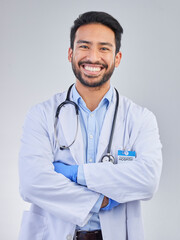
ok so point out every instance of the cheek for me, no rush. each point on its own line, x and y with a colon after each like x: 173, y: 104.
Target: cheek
x: 76, y: 58
x: 111, y: 62
x: 79, y: 55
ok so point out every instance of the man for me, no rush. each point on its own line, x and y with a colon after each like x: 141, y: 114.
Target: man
x: 76, y: 192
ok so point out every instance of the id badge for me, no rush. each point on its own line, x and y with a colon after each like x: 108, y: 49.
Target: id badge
x: 126, y: 155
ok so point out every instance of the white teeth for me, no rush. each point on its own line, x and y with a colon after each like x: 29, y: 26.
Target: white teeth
x: 92, y: 69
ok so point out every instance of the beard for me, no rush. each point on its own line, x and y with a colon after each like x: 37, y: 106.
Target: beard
x: 106, y: 76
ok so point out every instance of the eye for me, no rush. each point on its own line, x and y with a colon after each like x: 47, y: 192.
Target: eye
x: 104, y: 49
x: 83, y: 46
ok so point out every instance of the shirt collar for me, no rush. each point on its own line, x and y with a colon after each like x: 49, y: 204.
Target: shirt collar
x: 108, y: 97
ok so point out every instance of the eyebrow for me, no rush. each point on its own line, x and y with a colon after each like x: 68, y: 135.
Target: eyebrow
x: 101, y: 43
x: 106, y: 43
x: 83, y: 41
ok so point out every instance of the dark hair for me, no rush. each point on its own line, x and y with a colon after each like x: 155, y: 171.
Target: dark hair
x: 98, y: 17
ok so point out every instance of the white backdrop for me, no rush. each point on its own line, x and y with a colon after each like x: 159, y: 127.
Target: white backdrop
x: 34, y: 39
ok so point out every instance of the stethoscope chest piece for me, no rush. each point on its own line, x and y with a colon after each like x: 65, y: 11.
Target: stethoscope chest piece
x: 108, y: 158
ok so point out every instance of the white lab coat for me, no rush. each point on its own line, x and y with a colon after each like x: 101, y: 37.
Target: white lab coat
x: 58, y: 204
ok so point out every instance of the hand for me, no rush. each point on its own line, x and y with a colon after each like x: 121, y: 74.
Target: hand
x: 69, y: 171
x: 110, y: 205
x: 105, y: 202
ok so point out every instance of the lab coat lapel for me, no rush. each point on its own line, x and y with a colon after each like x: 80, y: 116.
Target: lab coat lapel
x: 68, y: 120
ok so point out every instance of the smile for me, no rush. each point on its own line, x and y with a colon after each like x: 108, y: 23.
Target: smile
x: 92, y: 69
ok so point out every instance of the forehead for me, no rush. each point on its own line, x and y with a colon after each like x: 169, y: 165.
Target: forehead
x: 95, y: 32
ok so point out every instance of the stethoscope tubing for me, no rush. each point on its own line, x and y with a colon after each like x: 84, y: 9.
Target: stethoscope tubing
x: 67, y: 101
x: 113, y: 123
x: 108, y: 156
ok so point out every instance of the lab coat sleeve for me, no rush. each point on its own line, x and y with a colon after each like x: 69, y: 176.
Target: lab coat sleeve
x: 81, y: 180
x: 131, y: 180
x: 40, y: 184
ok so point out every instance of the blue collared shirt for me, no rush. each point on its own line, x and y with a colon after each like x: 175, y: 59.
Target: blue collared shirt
x: 91, y: 124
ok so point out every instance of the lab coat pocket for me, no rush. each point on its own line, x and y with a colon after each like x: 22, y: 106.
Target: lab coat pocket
x: 32, y: 227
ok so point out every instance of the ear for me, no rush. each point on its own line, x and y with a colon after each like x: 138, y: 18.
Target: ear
x: 118, y: 59
x: 70, y: 53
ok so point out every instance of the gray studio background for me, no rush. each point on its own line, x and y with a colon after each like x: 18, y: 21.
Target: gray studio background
x: 34, y: 39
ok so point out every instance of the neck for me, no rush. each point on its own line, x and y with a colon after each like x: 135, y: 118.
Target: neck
x: 92, y: 95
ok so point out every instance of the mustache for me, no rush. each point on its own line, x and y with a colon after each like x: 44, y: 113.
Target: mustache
x: 96, y: 63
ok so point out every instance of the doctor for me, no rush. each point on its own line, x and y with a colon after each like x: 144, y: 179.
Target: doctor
x: 73, y: 193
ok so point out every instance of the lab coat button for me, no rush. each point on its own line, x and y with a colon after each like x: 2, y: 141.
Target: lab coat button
x: 69, y: 237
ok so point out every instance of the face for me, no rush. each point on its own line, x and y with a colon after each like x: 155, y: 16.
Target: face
x: 93, y: 57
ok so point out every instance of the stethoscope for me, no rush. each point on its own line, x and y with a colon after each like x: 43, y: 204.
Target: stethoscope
x: 108, y: 157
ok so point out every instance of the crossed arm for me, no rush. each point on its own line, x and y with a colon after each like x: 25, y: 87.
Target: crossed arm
x: 71, y: 172
x: 135, y: 180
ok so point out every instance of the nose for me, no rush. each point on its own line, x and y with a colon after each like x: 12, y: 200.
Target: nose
x: 93, y: 55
